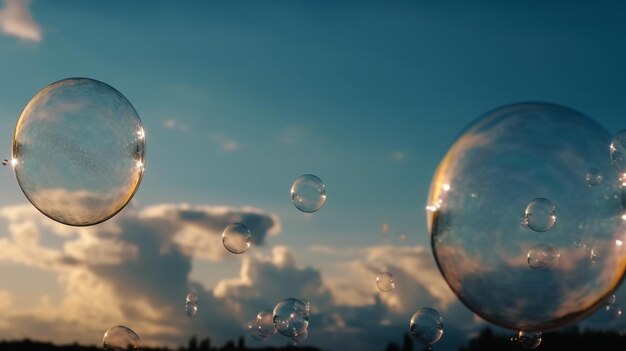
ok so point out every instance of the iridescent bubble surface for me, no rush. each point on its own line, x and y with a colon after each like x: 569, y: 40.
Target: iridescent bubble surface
x: 508, y: 157
x: 291, y: 317
x: 384, y: 282
x: 544, y: 257
x: 540, y: 215
x: 308, y: 193
x: 120, y: 338
x: 617, y: 151
x: 529, y: 340
x: 426, y: 326
x: 78, y: 151
x: 236, y: 238
x: 262, y: 327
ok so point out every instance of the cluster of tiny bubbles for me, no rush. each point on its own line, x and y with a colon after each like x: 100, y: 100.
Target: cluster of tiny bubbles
x: 540, y: 215
x: 612, y: 308
x: 526, y: 339
x: 120, y: 338
x: 618, y: 151
x: 486, y: 180
x: 78, y: 151
x: 426, y: 326
x: 593, y: 177
x: 262, y: 327
x: 191, y: 304
x: 543, y: 257
x: 308, y: 193
x: 384, y: 282
x: 236, y: 238
x: 291, y: 317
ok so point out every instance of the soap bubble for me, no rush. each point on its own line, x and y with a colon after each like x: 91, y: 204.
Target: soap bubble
x: 508, y: 157
x: 78, y: 151
x: 120, y: 338
x: 308, y: 193
x: 529, y: 340
x: 291, y: 317
x: 236, y: 238
x: 543, y: 257
x: 192, y: 297
x: 191, y: 309
x: 593, y: 254
x: 611, y: 299
x: 384, y: 281
x: 540, y: 215
x: 593, y: 177
x: 262, y: 328
x: 426, y: 325
x: 297, y: 340
x: 613, y: 311
x: 617, y: 151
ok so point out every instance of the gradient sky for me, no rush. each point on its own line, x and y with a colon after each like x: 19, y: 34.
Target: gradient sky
x: 238, y: 98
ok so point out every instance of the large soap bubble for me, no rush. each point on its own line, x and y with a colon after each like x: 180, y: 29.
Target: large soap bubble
x: 503, y: 160
x: 120, y: 338
x: 78, y: 151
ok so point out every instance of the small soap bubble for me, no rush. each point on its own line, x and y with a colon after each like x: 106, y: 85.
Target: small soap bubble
x: 611, y: 299
x: 540, y: 215
x: 262, y: 328
x: 299, y: 339
x: 593, y: 177
x: 543, y: 257
x: 384, y: 229
x: 236, y: 238
x: 384, y: 282
x: 120, y: 338
x: 5, y: 162
x: 290, y: 317
x: 308, y: 193
x: 613, y: 311
x: 617, y: 151
x: 427, y: 326
x: 593, y: 254
x: 192, y: 296
x: 529, y: 340
x: 191, y: 309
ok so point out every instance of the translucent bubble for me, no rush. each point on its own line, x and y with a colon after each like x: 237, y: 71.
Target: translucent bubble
x: 611, y: 299
x: 540, y: 215
x: 5, y: 162
x: 507, y: 157
x: 236, y: 238
x: 617, y: 151
x: 593, y: 177
x: 192, y: 297
x: 308, y: 193
x: 593, y: 254
x: 529, y: 340
x: 297, y: 340
x: 543, y: 257
x: 613, y: 311
x: 427, y: 326
x: 78, y: 151
x: 191, y: 308
x: 262, y: 328
x: 290, y: 317
x: 120, y: 338
x: 384, y: 282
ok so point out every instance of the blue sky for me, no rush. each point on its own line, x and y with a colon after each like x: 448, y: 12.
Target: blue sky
x: 240, y: 98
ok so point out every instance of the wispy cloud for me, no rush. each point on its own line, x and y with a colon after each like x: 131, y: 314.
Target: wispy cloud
x: 16, y: 20
x: 398, y: 156
x: 172, y: 123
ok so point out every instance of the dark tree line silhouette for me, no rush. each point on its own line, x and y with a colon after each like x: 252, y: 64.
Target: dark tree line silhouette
x: 570, y: 339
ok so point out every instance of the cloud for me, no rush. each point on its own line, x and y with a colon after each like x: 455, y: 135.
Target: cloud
x: 398, y: 156
x: 135, y: 270
x: 172, y: 123
x: 16, y: 20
